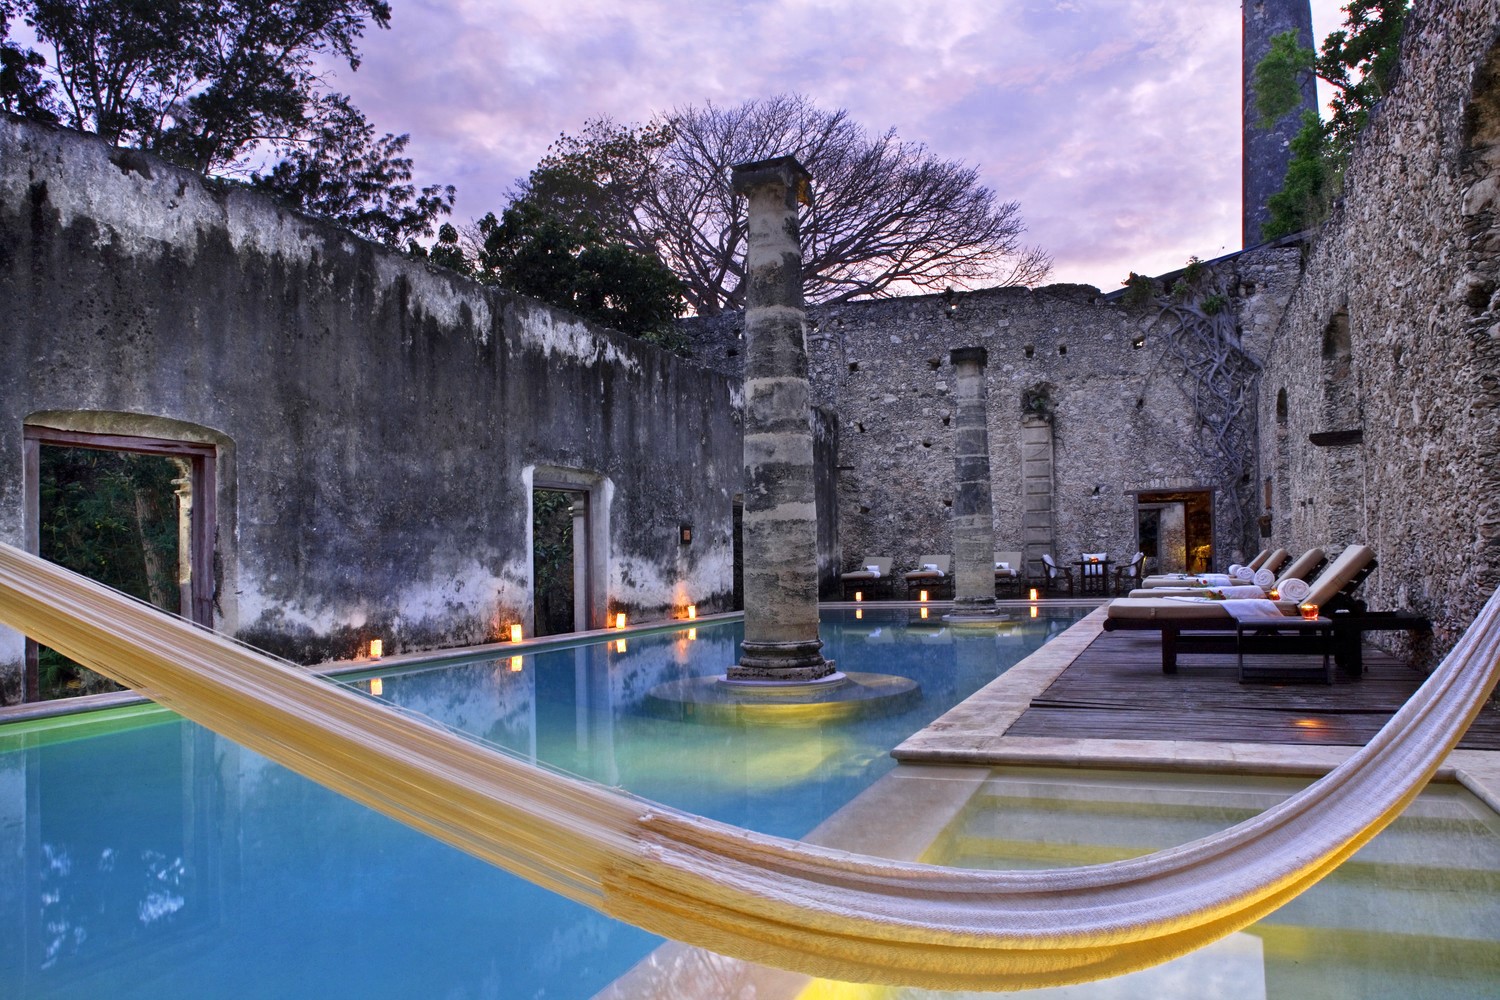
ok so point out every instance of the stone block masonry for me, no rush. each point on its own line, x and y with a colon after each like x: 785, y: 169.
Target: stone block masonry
x: 1119, y: 419
x: 378, y: 423
x: 1379, y: 409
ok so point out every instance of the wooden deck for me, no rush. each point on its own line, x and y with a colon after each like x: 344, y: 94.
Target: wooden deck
x: 1115, y: 689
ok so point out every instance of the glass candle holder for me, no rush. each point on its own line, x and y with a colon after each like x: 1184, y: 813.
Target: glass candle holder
x: 1310, y: 612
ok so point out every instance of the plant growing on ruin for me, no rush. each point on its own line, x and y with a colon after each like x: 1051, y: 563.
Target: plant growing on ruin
x: 1218, y: 377
x: 537, y: 253
x: 886, y: 215
x: 1358, y: 61
x: 1036, y: 401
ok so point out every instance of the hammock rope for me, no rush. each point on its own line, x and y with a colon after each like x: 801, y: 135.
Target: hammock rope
x: 764, y: 899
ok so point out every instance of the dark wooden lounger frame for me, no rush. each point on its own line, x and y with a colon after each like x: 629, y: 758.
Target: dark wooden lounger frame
x: 1350, y: 622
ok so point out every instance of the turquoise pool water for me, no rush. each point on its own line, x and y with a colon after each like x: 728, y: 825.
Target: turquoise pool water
x: 153, y: 859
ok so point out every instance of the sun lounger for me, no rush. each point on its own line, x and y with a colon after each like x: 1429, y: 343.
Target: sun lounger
x: 1304, y: 567
x: 1172, y: 616
x: 872, y: 578
x: 1276, y: 562
x: 932, y: 576
x: 1008, y: 575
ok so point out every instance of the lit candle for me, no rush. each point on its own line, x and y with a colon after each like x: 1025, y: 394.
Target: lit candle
x: 692, y: 611
x: 515, y: 664
x: 515, y: 633
x: 620, y: 620
x: 859, y: 595
x: 1310, y: 612
x: 1274, y: 594
x: 377, y: 686
x: 377, y: 648
x: 1033, y: 597
x: 924, y: 595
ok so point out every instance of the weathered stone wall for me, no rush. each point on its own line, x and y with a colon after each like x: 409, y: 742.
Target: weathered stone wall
x: 1394, y: 337
x: 1121, y: 421
x: 379, y: 422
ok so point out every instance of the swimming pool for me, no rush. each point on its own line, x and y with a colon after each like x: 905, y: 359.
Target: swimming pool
x: 150, y: 858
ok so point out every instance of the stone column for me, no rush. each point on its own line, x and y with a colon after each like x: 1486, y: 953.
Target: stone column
x: 973, y: 508
x: 780, y: 515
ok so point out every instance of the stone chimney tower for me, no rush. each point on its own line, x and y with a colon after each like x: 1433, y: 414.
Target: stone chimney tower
x: 1267, y: 150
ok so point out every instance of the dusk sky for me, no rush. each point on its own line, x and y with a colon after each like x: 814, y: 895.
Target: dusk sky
x: 1114, y: 123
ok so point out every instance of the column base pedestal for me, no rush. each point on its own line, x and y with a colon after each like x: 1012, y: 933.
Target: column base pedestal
x: 784, y: 662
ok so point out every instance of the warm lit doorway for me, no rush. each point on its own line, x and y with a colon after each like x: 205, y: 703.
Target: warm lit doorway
x: 1176, y: 530
x: 135, y: 513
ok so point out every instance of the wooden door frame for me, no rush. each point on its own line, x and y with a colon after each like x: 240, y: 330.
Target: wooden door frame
x: 201, y: 460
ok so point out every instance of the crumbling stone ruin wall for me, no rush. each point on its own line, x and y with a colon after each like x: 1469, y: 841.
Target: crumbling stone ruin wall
x: 1380, y: 398
x: 1119, y: 421
x: 379, y: 422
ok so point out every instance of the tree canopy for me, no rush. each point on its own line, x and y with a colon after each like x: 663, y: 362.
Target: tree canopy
x: 570, y: 263
x: 345, y: 173
x: 886, y: 215
x: 209, y: 84
x: 1358, y: 61
x: 198, y: 82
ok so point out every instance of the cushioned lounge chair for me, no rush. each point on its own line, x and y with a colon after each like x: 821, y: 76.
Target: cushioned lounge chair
x: 1332, y: 590
x: 1276, y: 562
x: 1304, y: 567
x: 1008, y: 575
x: 932, y: 576
x: 873, y: 577
x: 1263, y: 558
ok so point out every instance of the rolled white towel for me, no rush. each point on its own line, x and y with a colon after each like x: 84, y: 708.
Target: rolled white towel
x: 1233, y: 568
x: 1294, y: 590
x: 931, y: 568
x: 1239, y: 592
x: 1244, y: 573
x: 1264, y: 579
x: 873, y: 569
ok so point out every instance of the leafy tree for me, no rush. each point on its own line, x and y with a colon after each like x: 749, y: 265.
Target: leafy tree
x: 885, y: 216
x: 195, y: 81
x: 345, y: 173
x: 1358, y: 60
x: 112, y: 517
x: 24, y: 90
x: 573, y: 265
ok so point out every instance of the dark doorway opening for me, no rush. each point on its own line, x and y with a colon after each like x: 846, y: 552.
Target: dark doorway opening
x: 1176, y: 530
x: 557, y: 531
x: 136, y: 514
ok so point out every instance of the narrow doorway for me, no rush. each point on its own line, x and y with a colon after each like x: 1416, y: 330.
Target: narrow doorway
x: 135, y: 514
x: 559, y: 560
x: 1176, y: 531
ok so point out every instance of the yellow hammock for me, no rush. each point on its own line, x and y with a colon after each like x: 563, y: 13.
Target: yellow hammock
x: 811, y: 909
